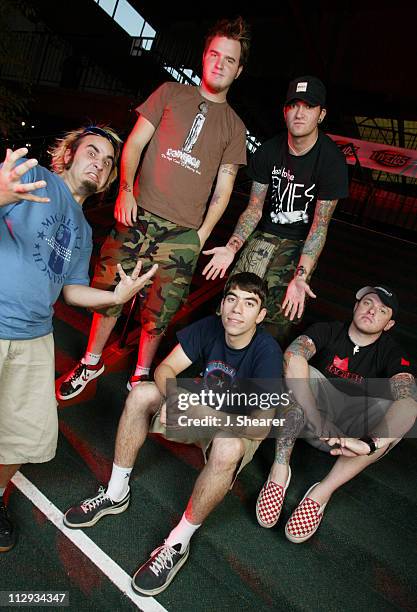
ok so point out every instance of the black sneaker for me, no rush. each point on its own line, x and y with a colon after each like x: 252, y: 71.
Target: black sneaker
x: 78, y: 379
x: 7, y: 530
x: 90, y: 511
x: 158, y: 572
x: 134, y: 380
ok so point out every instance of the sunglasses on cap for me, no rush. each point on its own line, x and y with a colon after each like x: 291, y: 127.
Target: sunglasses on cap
x: 93, y: 129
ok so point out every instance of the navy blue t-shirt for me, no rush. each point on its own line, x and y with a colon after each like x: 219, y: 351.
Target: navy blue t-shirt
x: 224, y: 366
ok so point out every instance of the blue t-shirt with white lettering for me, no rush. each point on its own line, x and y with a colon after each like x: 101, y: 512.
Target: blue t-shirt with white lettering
x: 43, y: 246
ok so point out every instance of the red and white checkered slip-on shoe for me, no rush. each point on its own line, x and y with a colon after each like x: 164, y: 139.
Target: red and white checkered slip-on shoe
x: 305, y: 520
x: 270, y: 501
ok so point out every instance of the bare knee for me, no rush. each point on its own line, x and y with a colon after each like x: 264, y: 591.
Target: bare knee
x: 144, y: 399
x: 226, y: 453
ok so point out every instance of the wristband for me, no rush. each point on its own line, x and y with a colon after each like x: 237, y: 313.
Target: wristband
x: 370, y: 442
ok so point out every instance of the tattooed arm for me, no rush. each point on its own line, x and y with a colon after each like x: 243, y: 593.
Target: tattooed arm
x: 248, y: 220
x: 399, y: 418
x: 220, y: 199
x: 293, y: 304
x: 126, y: 210
x: 402, y: 413
x: 296, y: 373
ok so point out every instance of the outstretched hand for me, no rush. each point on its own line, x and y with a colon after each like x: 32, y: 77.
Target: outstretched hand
x: 294, y: 301
x: 130, y: 285
x: 218, y: 264
x: 11, y: 188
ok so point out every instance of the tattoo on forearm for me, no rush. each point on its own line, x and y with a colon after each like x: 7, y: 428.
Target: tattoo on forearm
x: 126, y: 187
x: 317, y: 235
x: 303, y: 346
x: 402, y: 386
x: 294, y: 421
x: 235, y: 243
x: 230, y: 169
x: 250, y: 217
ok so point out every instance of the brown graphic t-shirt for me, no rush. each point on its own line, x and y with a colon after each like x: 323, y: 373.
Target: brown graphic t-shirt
x: 193, y: 137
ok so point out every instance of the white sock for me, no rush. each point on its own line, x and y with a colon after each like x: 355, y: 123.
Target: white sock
x: 119, y: 483
x: 140, y: 371
x: 181, y: 534
x: 91, y: 358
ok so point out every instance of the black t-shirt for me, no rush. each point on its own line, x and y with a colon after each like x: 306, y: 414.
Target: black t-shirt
x: 296, y: 183
x: 223, y: 366
x: 352, y: 369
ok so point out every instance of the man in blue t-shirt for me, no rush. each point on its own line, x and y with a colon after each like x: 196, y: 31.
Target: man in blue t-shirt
x: 297, y: 178
x: 232, y: 348
x: 355, y: 391
x: 45, y: 247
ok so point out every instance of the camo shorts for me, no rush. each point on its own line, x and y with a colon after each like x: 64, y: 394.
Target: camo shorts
x: 153, y: 240
x: 274, y: 259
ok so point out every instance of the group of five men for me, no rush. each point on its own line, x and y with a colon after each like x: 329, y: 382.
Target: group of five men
x: 193, y: 138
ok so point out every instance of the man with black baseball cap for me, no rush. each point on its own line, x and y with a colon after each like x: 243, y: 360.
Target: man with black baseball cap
x: 305, y: 174
x: 355, y: 397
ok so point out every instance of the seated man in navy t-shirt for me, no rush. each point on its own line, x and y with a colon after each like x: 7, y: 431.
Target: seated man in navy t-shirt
x: 355, y: 391
x: 232, y: 348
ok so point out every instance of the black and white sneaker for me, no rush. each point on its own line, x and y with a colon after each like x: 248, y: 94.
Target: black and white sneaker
x: 7, y: 530
x: 159, y: 571
x: 78, y: 379
x: 135, y: 380
x: 90, y: 511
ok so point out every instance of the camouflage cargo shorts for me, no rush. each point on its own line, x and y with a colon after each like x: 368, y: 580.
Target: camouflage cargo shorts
x: 274, y: 259
x: 153, y: 240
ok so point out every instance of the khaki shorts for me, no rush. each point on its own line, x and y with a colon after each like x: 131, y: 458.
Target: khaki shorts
x: 28, y: 408
x: 347, y: 412
x: 250, y: 446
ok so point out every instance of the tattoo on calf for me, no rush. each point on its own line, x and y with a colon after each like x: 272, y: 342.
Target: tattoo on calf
x: 294, y: 421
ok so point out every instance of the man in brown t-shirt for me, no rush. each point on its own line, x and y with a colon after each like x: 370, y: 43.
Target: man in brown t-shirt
x: 193, y: 136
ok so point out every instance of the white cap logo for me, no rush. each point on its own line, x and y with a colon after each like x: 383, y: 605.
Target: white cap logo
x: 302, y: 86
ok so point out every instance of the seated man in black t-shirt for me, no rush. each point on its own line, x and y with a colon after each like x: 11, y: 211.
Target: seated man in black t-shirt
x: 231, y: 348
x: 355, y: 391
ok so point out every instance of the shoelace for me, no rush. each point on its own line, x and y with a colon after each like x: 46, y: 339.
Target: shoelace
x: 94, y: 502
x: 163, y: 560
x: 77, y: 372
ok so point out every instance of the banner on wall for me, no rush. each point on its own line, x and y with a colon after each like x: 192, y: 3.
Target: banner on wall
x: 377, y: 156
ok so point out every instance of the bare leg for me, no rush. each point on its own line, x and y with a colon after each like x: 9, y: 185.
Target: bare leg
x: 7, y: 472
x: 343, y: 470
x: 100, y: 331
x: 148, y: 345
x: 141, y: 404
x: 215, y: 479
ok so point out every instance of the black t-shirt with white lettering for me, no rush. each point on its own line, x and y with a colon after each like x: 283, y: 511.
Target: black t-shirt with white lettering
x: 296, y: 183
x: 352, y: 369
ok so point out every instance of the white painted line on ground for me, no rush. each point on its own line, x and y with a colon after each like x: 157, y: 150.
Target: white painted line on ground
x: 97, y: 556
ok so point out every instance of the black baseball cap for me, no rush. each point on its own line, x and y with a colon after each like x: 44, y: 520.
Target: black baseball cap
x: 307, y: 88
x: 385, y: 294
